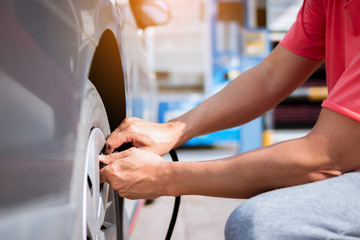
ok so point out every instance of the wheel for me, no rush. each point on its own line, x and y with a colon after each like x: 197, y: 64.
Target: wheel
x: 100, y: 209
x: 99, y: 217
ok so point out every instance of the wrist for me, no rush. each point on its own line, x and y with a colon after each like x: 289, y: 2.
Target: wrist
x: 181, y: 130
x: 171, y: 179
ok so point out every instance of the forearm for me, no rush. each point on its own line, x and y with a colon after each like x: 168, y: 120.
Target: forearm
x: 247, y: 174
x: 248, y: 96
x: 240, y: 101
x: 330, y: 149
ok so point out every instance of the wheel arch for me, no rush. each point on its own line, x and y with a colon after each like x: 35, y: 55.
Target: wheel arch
x: 107, y: 75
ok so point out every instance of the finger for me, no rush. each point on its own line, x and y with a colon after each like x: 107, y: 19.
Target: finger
x: 137, y: 140
x: 106, y: 159
x: 118, y: 136
x: 140, y: 140
x: 102, y: 158
x: 103, y: 175
x: 113, y: 142
x: 109, y: 159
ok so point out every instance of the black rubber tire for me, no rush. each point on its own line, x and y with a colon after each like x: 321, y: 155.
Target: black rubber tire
x: 93, y: 115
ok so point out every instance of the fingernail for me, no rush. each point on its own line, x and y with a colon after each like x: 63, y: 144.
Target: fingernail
x: 101, y: 157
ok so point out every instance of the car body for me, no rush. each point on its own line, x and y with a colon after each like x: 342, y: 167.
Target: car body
x: 56, y: 57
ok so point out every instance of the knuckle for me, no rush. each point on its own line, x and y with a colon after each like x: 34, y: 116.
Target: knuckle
x: 113, y: 171
x: 131, y: 128
x: 115, y: 133
x: 122, y: 193
x: 125, y: 121
x: 129, y: 120
x: 117, y: 187
x: 117, y: 130
x: 127, y: 153
x: 115, y: 156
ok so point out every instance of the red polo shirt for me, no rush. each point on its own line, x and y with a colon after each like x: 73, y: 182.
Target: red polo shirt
x: 330, y: 30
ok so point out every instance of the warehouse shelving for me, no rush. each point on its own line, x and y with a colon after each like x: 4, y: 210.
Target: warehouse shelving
x: 180, y: 49
x: 302, y: 107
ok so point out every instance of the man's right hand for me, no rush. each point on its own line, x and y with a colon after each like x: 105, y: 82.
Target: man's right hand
x: 158, y: 138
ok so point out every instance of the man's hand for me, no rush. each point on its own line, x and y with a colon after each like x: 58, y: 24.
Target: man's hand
x: 158, y: 138
x: 135, y: 174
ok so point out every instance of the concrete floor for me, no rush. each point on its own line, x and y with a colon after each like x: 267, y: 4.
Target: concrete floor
x: 200, y: 218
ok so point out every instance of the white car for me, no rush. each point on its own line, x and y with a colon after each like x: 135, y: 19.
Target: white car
x: 70, y: 72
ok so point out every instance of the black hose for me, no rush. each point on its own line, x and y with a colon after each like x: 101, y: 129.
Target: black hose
x: 174, y: 158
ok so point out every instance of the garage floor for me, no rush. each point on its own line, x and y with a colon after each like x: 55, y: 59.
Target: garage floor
x: 200, y: 218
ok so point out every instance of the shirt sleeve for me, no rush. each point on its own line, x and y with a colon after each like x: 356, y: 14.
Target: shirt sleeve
x: 344, y: 97
x: 306, y: 37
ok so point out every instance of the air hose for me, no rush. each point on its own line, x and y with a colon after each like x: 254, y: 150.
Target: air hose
x: 174, y: 158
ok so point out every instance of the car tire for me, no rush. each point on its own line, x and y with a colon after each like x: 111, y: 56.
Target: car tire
x: 99, y: 212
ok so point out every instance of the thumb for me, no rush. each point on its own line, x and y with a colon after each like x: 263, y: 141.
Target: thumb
x: 109, y: 159
x: 104, y: 159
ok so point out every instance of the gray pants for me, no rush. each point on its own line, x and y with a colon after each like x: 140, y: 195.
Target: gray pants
x: 328, y: 209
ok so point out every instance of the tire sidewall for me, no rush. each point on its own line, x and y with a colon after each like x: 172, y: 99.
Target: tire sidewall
x: 92, y: 115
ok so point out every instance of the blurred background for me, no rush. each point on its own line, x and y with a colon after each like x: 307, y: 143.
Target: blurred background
x: 210, y: 42
x: 206, y: 45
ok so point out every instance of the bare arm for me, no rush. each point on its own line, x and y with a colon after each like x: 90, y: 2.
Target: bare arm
x: 330, y: 149
x: 250, y: 95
